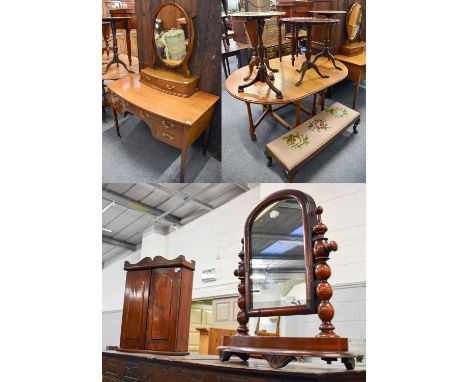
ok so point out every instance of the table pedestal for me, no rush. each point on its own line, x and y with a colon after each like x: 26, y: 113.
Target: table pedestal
x: 259, y: 59
x: 326, y: 50
x: 115, y: 48
x: 307, y: 64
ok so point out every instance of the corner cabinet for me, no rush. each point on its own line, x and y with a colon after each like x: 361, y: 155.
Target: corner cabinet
x: 156, y: 311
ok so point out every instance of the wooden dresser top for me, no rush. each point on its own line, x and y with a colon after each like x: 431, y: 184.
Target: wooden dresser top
x: 179, y: 109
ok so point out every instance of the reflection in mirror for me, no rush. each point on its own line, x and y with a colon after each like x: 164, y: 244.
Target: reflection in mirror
x: 277, y: 262
x: 171, y: 35
x: 354, y: 21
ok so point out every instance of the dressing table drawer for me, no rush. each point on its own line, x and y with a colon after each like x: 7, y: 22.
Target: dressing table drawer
x: 171, y: 86
x: 170, y: 132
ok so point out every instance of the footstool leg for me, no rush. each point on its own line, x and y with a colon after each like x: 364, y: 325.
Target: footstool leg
x: 253, y: 138
x: 355, y: 126
x: 290, y: 175
x: 270, y: 159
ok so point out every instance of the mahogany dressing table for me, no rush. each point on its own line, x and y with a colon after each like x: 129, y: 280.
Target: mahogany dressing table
x: 115, y: 49
x: 167, y: 100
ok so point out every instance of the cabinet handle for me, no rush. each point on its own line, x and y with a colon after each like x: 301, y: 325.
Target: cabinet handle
x: 143, y: 114
x: 166, y: 125
x: 166, y: 135
x: 170, y: 87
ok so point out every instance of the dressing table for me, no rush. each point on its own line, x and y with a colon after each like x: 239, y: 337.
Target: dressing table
x: 166, y: 99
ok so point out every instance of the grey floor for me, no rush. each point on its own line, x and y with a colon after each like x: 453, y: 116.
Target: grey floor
x: 343, y: 161
x: 138, y: 157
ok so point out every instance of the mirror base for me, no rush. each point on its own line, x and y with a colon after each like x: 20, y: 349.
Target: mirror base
x: 169, y: 81
x: 353, y: 48
x: 279, y: 351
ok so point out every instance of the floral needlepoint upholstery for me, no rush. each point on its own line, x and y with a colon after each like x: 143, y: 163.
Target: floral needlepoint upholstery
x: 296, y: 145
x: 296, y: 140
x: 318, y: 124
x: 336, y: 111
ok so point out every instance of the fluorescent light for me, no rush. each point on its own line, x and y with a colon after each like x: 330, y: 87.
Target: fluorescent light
x: 107, y: 230
x: 107, y: 207
x: 274, y: 214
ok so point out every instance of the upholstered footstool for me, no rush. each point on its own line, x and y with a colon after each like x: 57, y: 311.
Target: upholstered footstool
x: 300, y: 144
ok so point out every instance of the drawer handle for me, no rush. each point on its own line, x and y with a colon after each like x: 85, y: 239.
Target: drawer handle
x: 166, y: 135
x: 143, y: 115
x: 170, y: 87
x: 166, y: 125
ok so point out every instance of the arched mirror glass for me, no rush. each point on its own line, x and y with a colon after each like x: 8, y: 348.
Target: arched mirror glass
x: 354, y: 21
x: 173, y: 35
x: 277, y: 258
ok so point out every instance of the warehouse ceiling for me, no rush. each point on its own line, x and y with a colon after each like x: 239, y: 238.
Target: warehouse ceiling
x: 128, y: 209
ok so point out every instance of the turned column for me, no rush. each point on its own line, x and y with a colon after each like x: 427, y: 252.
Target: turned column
x: 322, y: 271
x: 242, y: 318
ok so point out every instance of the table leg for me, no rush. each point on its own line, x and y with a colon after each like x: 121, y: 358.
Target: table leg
x: 129, y: 47
x: 298, y: 112
x: 326, y: 51
x: 223, y: 60
x: 253, y: 138
x: 314, y: 105
x: 183, y: 162
x: 239, y: 60
x: 356, y: 90
x: 206, y: 139
x: 307, y: 64
x: 115, y: 49
x: 280, y: 46
x: 104, y: 102
x: 116, y: 122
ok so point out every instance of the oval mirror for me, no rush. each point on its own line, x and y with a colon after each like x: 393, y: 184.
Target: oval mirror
x: 172, y: 35
x: 278, y: 256
x: 354, y: 21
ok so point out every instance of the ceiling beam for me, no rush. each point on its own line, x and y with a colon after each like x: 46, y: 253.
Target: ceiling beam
x: 119, y: 243
x: 125, y: 201
x: 183, y: 202
x: 184, y: 196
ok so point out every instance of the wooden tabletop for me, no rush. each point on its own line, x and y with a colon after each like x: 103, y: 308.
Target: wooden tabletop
x: 285, y: 80
x: 257, y: 15
x: 309, y: 20
x: 257, y: 367
x: 359, y: 60
x: 328, y: 12
x: 179, y: 109
x: 117, y: 72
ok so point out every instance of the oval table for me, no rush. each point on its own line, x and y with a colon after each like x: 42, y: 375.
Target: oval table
x: 285, y: 79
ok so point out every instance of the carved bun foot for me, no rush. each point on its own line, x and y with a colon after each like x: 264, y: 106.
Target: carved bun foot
x: 350, y: 363
x: 243, y: 356
x: 278, y: 361
x: 224, y: 355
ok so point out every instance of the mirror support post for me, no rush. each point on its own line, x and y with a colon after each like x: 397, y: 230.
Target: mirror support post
x: 322, y: 271
x: 242, y: 317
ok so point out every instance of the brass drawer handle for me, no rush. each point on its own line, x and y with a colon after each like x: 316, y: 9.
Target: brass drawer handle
x: 143, y: 115
x: 166, y: 135
x: 167, y: 126
x: 170, y: 87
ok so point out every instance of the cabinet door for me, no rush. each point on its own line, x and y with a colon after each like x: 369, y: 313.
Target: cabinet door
x: 163, y: 309
x: 135, y: 310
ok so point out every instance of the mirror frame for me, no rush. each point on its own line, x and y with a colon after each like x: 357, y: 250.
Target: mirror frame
x: 358, y: 35
x: 191, y: 33
x: 309, y: 219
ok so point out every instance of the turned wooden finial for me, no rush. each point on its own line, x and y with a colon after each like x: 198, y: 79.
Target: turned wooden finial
x: 242, y: 318
x: 322, y: 271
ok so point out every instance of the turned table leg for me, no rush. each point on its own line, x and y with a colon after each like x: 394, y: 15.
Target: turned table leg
x: 116, y: 122
x: 298, y: 112
x: 183, y: 162
x: 253, y: 138
x: 129, y: 47
x: 356, y: 90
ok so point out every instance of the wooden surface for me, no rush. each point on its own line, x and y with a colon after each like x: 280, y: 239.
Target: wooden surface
x: 285, y: 80
x: 356, y: 70
x: 206, y: 56
x: 358, y: 60
x: 156, y: 308
x: 178, y: 109
x: 117, y: 367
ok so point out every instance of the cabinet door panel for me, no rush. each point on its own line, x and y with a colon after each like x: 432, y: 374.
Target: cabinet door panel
x: 134, y: 312
x: 163, y: 309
